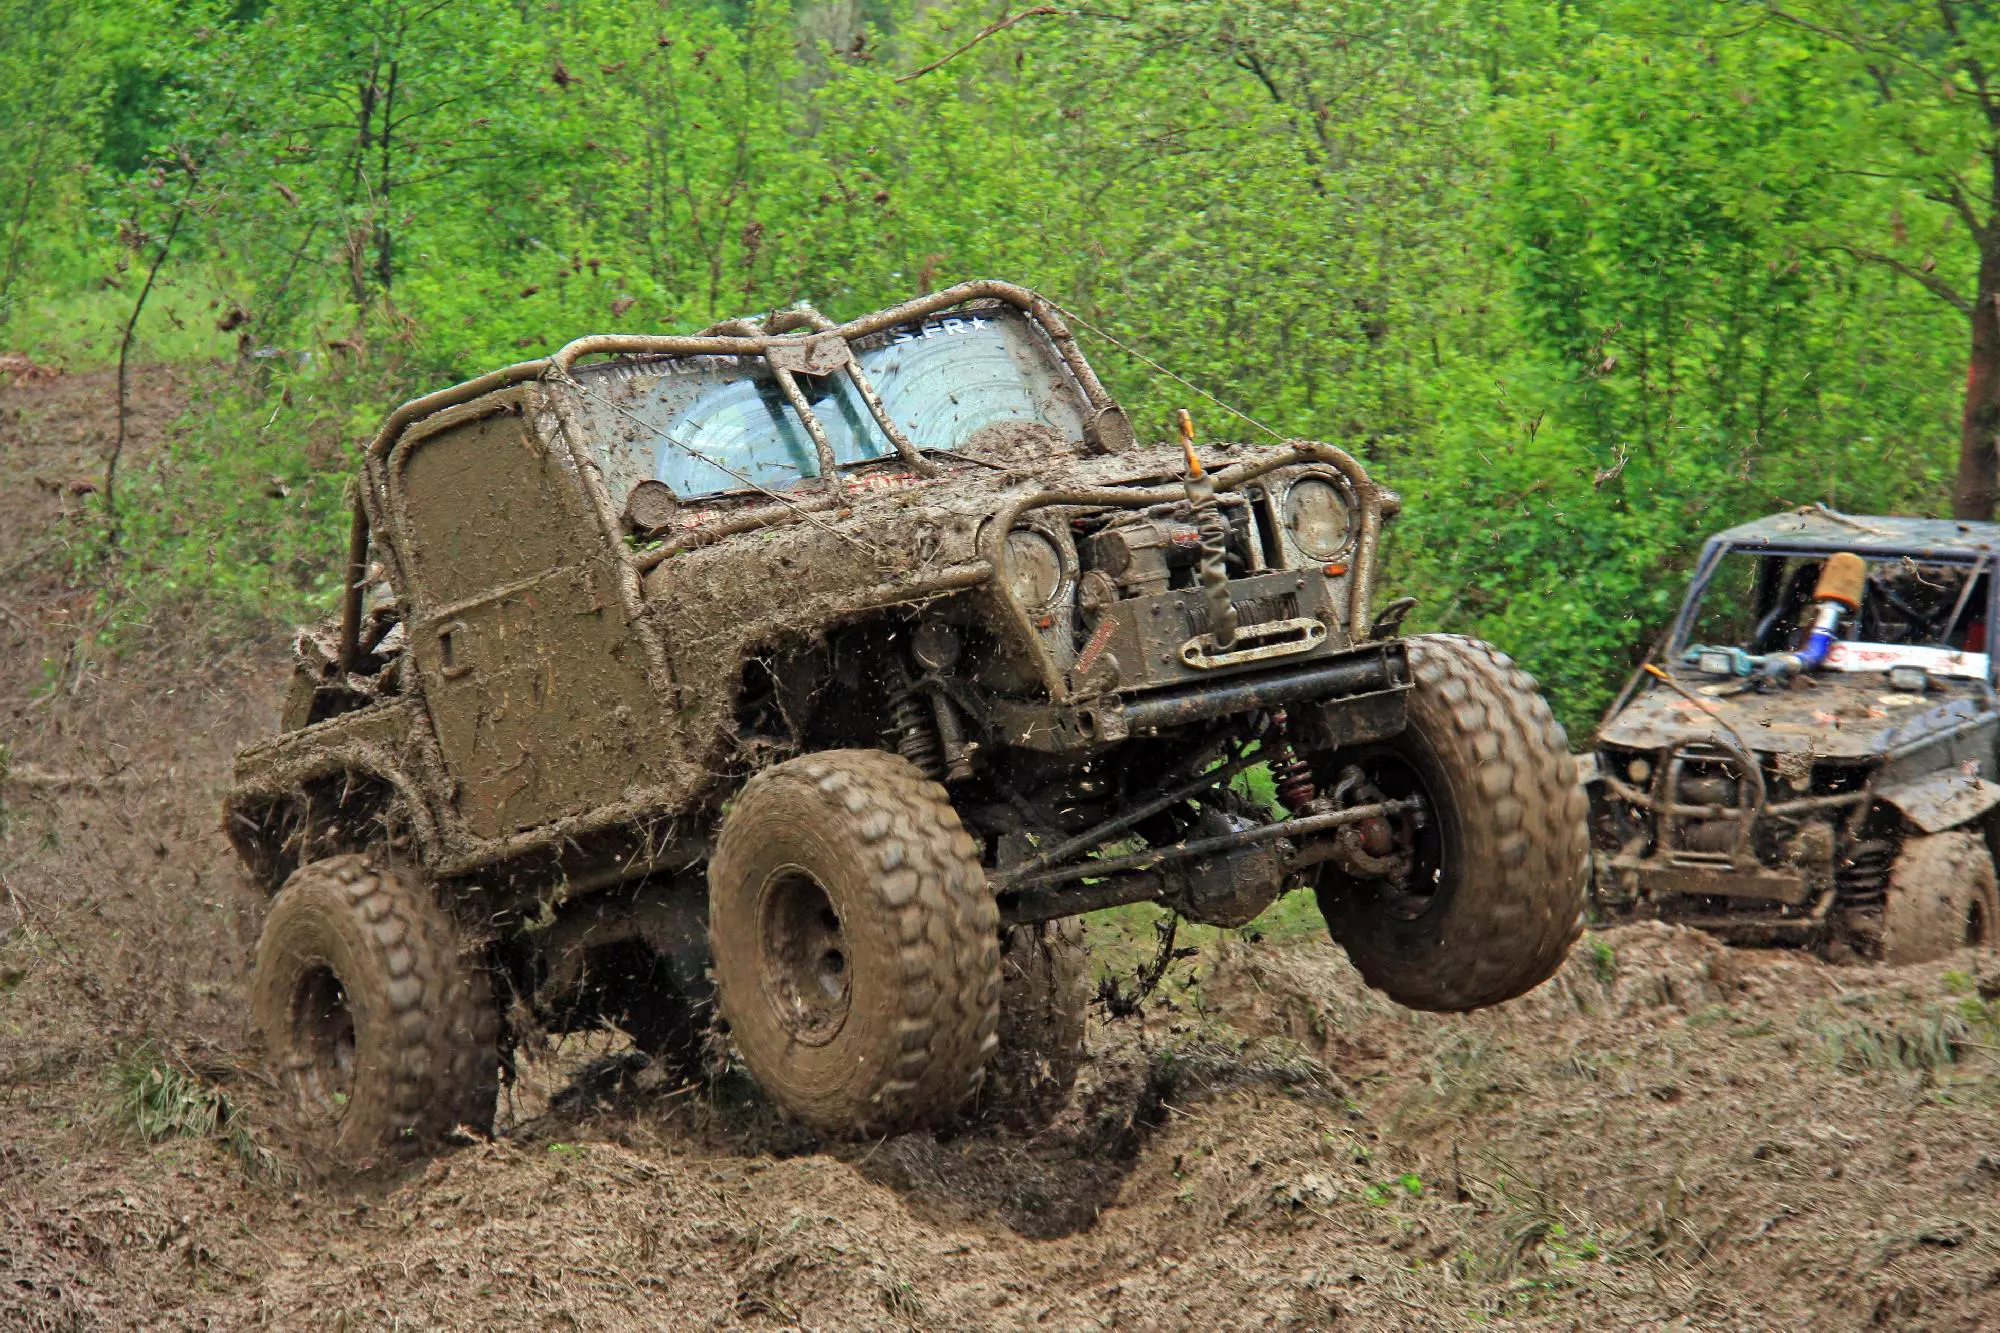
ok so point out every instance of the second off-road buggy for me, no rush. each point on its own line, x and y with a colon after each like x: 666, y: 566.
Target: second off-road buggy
x: 815, y: 676
x: 1812, y: 761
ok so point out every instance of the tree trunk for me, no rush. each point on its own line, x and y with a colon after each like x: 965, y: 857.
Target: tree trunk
x: 1978, y: 484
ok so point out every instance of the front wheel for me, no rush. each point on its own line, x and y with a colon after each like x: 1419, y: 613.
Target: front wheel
x: 856, y: 945
x: 1478, y: 901
x: 1941, y: 897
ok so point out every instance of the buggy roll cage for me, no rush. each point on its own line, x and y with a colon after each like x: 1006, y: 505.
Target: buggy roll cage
x: 801, y: 340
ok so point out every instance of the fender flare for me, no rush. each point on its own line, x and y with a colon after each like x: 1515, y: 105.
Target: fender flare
x: 1945, y: 799
x: 261, y: 843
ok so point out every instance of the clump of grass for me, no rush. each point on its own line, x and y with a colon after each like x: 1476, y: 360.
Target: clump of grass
x: 1864, y: 1044
x: 1603, y: 959
x: 163, y: 1099
x: 22, y: 948
x: 903, y: 1301
x: 165, y: 1102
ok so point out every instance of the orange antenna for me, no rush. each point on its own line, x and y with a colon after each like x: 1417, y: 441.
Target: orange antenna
x: 1187, y: 440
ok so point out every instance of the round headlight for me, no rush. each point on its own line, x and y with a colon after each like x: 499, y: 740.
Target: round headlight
x: 1317, y: 518
x: 1034, y: 568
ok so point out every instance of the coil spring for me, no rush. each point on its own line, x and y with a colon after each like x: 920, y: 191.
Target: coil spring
x: 916, y: 739
x: 1291, y: 775
x: 1864, y: 870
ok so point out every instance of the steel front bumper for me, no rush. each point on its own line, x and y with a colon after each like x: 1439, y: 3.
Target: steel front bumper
x: 1367, y: 684
x: 1758, y: 906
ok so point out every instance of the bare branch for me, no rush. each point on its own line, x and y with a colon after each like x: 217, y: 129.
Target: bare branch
x: 989, y: 30
x: 1859, y: 43
x: 1954, y: 195
x: 1931, y: 282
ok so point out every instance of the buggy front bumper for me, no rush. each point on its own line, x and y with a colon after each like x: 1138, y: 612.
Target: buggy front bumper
x: 1631, y: 880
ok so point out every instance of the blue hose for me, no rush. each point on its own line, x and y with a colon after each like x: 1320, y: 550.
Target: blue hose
x: 1779, y: 666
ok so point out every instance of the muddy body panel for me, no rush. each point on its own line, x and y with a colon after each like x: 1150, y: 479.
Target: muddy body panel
x: 1775, y: 805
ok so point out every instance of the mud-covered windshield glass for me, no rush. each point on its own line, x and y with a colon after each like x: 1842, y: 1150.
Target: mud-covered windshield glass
x: 711, y: 424
x: 1762, y: 603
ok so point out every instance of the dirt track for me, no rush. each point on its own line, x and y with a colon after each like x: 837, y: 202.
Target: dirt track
x: 1668, y: 1135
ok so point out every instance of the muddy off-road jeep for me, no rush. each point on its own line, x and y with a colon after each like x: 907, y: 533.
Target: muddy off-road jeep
x: 1814, y: 763
x: 816, y: 675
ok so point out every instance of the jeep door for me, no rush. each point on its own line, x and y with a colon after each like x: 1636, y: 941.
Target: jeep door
x: 535, y: 682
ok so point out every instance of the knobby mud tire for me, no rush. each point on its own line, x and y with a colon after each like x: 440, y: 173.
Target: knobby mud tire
x: 856, y: 944
x: 1942, y: 897
x: 1044, y: 1000
x: 1512, y: 860
x: 374, y: 1018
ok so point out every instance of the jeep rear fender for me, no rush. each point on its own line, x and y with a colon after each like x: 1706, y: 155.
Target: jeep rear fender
x: 326, y: 789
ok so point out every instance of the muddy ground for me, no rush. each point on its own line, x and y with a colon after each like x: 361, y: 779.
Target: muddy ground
x: 1670, y: 1134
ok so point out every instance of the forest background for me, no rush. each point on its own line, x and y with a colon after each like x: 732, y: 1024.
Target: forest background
x: 1584, y: 281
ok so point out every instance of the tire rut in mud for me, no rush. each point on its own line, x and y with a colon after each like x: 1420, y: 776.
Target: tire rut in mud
x: 1042, y: 1185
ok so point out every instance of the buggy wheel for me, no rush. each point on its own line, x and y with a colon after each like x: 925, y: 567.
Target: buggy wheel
x: 1487, y: 893
x: 856, y: 945
x: 1044, y: 992
x: 375, y: 1022
x: 1941, y: 897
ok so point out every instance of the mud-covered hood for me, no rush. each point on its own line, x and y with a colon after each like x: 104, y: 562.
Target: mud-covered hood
x: 962, y: 491
x: 1855, y: 716
x: 890, y: 538
x: 887, y: 528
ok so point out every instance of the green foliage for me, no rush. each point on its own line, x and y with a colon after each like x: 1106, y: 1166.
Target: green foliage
x: 245, y: 511
x: 164, y: 1100
x: 1584, y: 282
x: 1694, y: 359
x: 49, y: 95
x: 1603, y: 959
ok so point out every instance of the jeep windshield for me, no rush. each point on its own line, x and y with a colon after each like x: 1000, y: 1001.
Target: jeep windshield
x: 1913, y: 612
x: 709, y: 425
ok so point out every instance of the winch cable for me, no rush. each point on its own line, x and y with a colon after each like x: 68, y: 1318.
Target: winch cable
x: 1141, y: 357
x: 1214, y: 530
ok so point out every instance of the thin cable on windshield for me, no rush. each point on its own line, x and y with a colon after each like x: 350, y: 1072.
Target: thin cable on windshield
x: 793, y: 505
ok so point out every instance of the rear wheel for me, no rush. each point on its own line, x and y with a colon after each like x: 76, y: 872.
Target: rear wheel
x: 1941, y: 897
x: 856, y: 945
x: 1478, y: 900
x: 376, y: 1022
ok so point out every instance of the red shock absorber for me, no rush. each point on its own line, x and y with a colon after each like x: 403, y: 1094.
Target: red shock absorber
x: 1291, y: 775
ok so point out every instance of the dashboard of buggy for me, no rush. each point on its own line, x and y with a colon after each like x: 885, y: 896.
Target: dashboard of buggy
x: 1913, y: 619
x: 958, y: 383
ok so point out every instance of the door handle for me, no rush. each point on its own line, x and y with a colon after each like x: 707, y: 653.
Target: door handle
x: 451, y: 651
